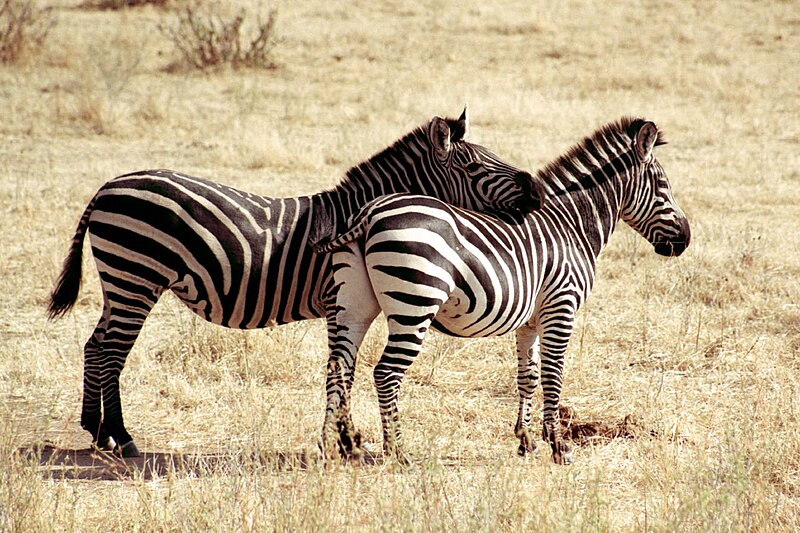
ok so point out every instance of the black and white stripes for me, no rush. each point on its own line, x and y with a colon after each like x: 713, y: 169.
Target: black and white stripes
x: 425, y: 263
x: 238, y: 259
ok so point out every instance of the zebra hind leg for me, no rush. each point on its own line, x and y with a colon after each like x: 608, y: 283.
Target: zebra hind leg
x: 338, y: 426
x: 339, y: 434
x: 406, y: 333
x: 348, y: 319
x: 124, y: 314
x: 91, y: 411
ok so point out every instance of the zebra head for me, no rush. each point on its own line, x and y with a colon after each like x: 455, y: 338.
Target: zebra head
x: 649, y: 206
x: 476, y: 177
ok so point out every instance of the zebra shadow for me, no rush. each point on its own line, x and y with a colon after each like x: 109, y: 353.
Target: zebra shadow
x: 90, y: 464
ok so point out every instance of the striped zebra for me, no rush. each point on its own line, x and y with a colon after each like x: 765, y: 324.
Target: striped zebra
x: 238, y: 259
x: 424, y: 263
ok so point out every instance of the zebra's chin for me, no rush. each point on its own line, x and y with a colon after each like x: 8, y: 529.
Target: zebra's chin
x: 671, y: 248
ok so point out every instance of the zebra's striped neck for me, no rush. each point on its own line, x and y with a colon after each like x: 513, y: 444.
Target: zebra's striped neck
x: 586, y: 187
x: 393, y: 169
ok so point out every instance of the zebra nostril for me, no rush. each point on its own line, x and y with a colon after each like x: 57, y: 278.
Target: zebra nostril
x: 687, y: 232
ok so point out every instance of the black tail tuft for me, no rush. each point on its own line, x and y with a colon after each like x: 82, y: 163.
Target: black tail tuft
x: 69, y: 282
x: 66, y: 290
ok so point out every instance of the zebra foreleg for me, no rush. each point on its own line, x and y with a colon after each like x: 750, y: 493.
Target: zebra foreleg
x: 556, y: 329
x: 527, y: 381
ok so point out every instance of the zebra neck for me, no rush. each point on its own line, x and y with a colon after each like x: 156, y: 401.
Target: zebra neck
x: 590, y: 202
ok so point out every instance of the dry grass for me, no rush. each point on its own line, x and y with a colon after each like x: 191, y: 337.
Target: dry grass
x: 701, y: 352
x: 23, y: 29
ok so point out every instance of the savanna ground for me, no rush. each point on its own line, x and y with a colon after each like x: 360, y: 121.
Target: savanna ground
x: 700, y: 353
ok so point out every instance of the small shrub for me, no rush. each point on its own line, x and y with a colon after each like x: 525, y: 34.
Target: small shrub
x: 23, y: 28
x: 121, y: 4
x: 207, y: 40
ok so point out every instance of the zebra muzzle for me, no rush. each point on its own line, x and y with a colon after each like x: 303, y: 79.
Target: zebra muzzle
x: 532, y: 197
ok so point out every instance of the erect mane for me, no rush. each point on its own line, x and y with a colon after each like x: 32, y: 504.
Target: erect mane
x: 367, y: 171
x: 605, y: 144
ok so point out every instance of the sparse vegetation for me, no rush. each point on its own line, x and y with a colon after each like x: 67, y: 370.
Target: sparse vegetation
x: 206, y: 39
x: 122, y: 4
x: 683, y: 376
x: 23, y: 29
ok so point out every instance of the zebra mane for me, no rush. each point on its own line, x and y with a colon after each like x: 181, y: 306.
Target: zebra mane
x: 364, y: 173
x: 575, y: 169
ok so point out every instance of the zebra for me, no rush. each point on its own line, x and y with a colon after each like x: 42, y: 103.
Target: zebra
x: 426, y: 264
x: 238, y: 259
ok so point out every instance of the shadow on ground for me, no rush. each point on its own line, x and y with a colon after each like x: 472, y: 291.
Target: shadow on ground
x: 91, y: 464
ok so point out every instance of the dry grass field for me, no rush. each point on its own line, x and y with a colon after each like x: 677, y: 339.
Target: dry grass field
x: 697, y: 358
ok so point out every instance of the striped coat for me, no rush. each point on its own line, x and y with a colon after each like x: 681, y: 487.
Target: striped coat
x: 425, y: 264
x: 238, y: 259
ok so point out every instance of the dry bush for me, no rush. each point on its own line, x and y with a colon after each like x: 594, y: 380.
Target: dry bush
x: 23, y: 28
x: 122, y: 4
x: 206, y: 39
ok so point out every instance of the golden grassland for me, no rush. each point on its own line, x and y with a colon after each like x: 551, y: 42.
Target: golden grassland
x: 700, y: 352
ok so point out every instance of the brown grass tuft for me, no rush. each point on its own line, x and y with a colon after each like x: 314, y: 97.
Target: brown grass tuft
x: 23, y: 29
x: 583, y: 432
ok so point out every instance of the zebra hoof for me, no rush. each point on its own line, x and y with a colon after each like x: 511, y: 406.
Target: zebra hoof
x: 563, y: 458
x: 105, y: 445
x: 401, y: 459
x: 128, y: 449
x: 527, y: 444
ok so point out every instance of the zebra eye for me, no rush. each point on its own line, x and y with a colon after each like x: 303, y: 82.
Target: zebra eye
x: 473, y: 167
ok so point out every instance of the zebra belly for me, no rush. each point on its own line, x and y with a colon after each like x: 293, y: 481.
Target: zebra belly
x: 234, y: 259
x: 458, y: 318
x: 295, y: 294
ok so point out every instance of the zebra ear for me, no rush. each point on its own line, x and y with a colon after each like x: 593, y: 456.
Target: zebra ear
x: 645, y: 140
x: 439, y: 133
x: 461, y: 126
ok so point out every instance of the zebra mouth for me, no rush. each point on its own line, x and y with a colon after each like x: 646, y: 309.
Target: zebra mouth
x: 671, y: 248
x: 527, y: 205
x: 676, y: 245
x: 532, y: 193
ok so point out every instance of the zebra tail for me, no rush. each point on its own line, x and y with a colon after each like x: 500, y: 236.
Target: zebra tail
x: 326, y: 237
x: 331, y: 243
x: 68, y: 285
